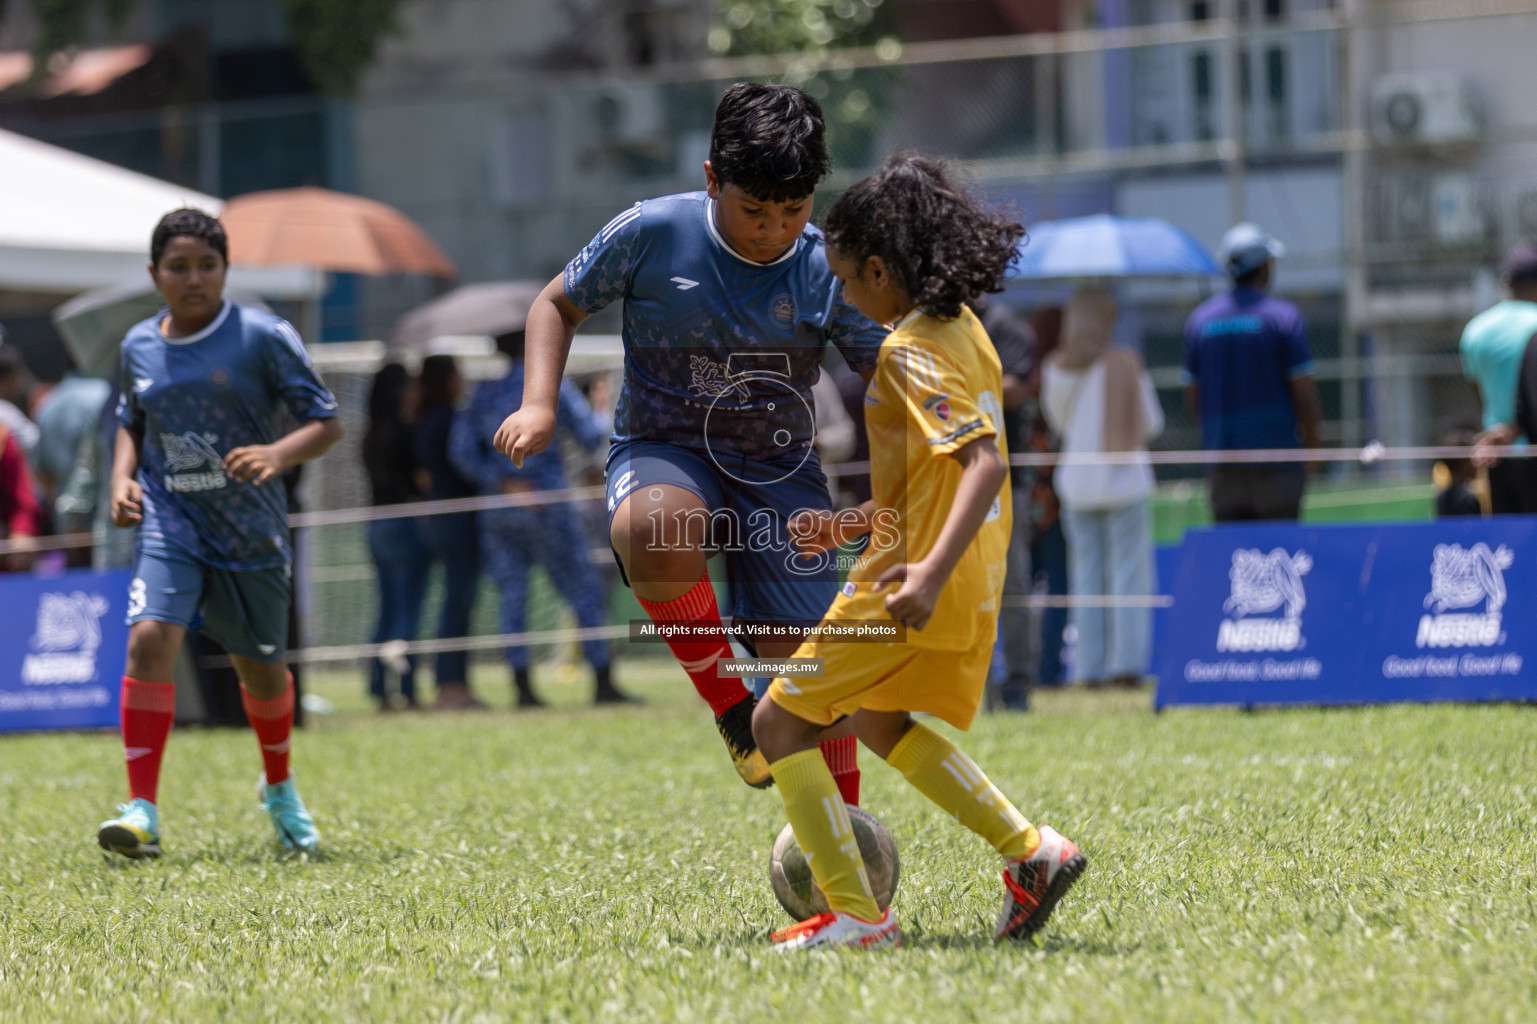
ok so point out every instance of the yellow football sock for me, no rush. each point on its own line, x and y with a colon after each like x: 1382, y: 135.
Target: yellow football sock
x: 943, y: 773
x: 821, y: 822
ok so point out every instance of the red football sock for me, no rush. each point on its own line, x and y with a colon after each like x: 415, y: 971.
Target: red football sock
x: 706, y: 644
x: 273, y: 721
x: 148, y: 711
x: 842, y: 757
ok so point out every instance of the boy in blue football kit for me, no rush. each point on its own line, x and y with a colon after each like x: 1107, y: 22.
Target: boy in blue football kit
x: 728, y: 308
x: 198, y: 456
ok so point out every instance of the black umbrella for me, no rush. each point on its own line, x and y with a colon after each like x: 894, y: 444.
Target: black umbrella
x: 497, y: 307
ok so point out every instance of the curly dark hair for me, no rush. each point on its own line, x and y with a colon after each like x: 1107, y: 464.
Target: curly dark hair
x: 192, y: 223
x: 769, y: 141
x: 940, y: 244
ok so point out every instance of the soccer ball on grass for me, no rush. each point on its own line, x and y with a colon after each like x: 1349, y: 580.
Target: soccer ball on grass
x: 799, y: 893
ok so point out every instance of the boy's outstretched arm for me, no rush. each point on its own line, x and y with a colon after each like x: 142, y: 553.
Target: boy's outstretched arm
x: 258, y: 463
x: 983, y: 473
x: 552, y: 322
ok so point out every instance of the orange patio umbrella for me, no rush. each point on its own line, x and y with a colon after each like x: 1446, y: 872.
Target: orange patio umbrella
x: 315, y: 227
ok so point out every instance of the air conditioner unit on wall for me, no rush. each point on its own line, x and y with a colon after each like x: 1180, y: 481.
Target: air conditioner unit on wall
x: 1458, y: 217
x: 1421, y: 210
x: 1425, y: 109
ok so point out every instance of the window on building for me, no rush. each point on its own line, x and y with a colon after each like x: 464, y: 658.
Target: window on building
x: 1201, y: 92
x: 1275, y: 92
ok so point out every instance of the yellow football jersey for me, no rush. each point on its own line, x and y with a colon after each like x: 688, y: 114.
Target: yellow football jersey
x: 937, y: 387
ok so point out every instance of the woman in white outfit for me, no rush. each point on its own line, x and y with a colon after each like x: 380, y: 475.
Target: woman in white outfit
x: 1099, y: 398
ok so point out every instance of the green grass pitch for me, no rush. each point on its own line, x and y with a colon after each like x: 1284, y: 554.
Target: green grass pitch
x: 581, y: 865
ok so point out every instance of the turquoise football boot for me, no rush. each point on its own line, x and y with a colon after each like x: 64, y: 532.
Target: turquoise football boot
x: 134, y: 833
x: 294, y: 825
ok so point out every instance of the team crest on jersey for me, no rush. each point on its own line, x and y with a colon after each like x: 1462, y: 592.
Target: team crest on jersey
x: 942, y: 410
x: 1461, y: 579
x: 194, y: 463
x: 65, y: 640
x: 783, y: 309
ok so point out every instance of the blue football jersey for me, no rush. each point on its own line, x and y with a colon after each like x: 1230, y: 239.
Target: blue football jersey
x: 194, y: 399
x: 720, y: 351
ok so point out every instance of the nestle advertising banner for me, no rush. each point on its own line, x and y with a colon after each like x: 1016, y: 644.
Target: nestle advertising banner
x: 63, y: 642
x: 1278, y: 614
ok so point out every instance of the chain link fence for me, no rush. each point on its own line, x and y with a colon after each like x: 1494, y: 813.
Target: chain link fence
x: 1195, y: 120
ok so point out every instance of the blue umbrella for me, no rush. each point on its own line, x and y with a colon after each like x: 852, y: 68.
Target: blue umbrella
x: 1106, y: 246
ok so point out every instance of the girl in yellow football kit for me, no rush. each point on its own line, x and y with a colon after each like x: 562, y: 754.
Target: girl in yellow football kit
x: 911, y: 248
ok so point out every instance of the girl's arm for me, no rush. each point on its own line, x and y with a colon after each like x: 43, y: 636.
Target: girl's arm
x: 983, y: 473
x: 258, y: 463
x: 552, y: 323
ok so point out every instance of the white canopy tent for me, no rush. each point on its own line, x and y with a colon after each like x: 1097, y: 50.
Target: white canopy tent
x: 69, y: 223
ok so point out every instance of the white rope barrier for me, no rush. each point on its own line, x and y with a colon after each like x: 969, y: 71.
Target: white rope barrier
x: 394, y: 650
x: 1370, y: 454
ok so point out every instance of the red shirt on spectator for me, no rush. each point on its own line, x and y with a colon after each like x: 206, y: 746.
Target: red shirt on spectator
x: 18, y: 505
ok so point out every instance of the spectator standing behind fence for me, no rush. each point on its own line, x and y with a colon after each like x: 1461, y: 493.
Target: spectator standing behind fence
x: 1455, y: 477
x: 1493, y: 346
x: 1249, y: 381
x: 400, y: 555
x: 453, y: 539
x: 67, y: 414
x: 514, y: 540
x: 18, y: 504
x: 1048, y: 548
x: 1014, y: 342
x: 1100, y: 399
x: 13, y: 372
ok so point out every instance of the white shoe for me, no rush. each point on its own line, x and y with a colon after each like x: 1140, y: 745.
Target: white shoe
x: 835, y: 929
x: 1033, y: 885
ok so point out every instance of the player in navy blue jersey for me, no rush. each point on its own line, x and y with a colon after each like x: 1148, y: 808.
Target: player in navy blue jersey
x: 728, y: 309
x: 197, y: 467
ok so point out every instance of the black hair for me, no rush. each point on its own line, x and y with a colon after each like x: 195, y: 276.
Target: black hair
x: 11, y: 361
x: 387, y: 393
x: 438, y: 373
x: 939, y: 243
x: 193, y: 224
x: 769, y: 141
x: 511, y: 344
x: 1461, y: 468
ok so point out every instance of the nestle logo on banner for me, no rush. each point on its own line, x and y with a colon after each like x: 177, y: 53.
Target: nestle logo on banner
x: 1461, y: 579
x: 1261, y: 584
x: 63, y: 647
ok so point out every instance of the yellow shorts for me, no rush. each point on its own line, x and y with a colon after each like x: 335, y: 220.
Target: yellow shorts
x: 888, y: 677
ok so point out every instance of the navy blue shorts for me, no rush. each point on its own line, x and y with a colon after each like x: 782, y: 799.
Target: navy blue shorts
x: 749, y: 502
x: 245, y: 612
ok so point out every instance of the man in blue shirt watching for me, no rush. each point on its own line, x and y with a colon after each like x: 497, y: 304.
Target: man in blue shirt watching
x: 1249, y: 381
x: 1493, y: 345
